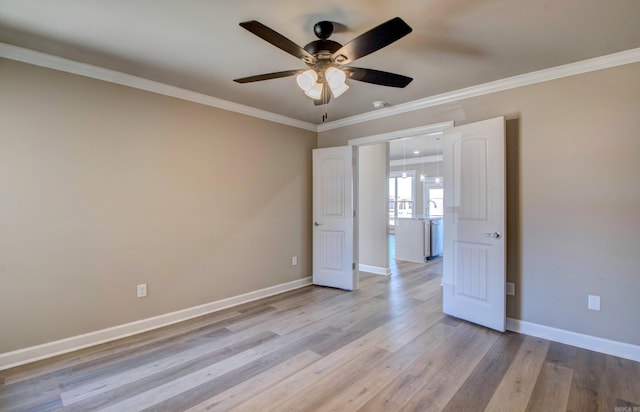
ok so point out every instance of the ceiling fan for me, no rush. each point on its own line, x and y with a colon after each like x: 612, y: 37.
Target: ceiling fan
x: 327, y: 59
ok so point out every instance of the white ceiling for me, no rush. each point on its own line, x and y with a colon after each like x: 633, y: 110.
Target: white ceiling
x: 198, y: 45
x: 419, y: 146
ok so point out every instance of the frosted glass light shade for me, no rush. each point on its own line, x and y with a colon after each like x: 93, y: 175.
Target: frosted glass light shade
x: 336, y: 81
x: 315, y: 92
x: 306, y: 80
x: 335, y: 77
x: 337, y: 91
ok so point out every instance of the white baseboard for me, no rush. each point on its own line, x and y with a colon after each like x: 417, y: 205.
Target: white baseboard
x: 49, y: 349
x: 376, y: 270
x: 594, y: 343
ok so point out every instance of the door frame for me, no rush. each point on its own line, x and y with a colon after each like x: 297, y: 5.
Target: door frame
x: 428, y: 130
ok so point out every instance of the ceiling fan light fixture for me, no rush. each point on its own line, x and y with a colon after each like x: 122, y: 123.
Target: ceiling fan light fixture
x: 307, y: 80
x: 325, y: 59
x: 336, y: 79
x: 338, y: 91
x: 315, y: 92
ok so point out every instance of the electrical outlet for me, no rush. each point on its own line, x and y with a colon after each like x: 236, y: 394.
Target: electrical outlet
x: 294, y: 260
x: 594, y: 302
x: 142, y: 290
x: 511, y: 289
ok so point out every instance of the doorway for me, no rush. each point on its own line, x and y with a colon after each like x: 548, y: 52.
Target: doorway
x: 402, y: 198
x: 474, y: 270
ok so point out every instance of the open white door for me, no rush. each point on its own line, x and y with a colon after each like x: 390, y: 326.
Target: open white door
x: 474, y: 223
x: 333, y: 208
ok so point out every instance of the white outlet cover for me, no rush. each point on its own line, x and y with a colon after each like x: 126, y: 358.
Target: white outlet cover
x: 142, y: 290
x: 294, y: 260
x: 594, y: 302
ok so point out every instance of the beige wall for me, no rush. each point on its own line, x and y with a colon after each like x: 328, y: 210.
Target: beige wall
x: 573, y: 188
x: 373, y: 240
x: 103, y: 187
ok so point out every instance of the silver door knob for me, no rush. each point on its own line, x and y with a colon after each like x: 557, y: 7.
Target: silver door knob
x: 494, y: 235
x: 317, y: 224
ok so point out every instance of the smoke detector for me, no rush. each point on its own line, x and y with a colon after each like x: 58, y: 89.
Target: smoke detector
x: 379, y: 104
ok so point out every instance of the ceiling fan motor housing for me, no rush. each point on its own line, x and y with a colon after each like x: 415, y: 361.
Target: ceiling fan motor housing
x: 320, y: 48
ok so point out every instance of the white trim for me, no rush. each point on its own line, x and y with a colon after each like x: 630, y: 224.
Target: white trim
x: 70, y: 66
x: 49, y: 349
x: 553, y: 73
x: 21, y: 54
x: 594, y: 343
x: 376, y: 270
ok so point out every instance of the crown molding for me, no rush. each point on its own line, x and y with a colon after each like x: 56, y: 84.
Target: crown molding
x: 49, y: 61
x: 553, y: 73
x: 24, y: 55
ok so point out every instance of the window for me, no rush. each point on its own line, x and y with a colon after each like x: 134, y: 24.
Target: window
x: 434, y: 199
x: 401, y: 199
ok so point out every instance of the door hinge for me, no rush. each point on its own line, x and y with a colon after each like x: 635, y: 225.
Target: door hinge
x: 353, y: 266
x: 354, y: 213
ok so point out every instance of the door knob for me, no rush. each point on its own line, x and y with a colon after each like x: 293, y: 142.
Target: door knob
x: 495, y: 235
x: 317, y: 224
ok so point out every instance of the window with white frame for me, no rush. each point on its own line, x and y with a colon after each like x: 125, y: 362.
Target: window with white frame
x: 433, y: 199
x: 401, y: 197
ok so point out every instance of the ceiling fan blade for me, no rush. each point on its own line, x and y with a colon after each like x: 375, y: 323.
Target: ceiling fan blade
x: 371, y: 41
x: 278, y: 40
x: 267, y: 76
x: 377, y: 77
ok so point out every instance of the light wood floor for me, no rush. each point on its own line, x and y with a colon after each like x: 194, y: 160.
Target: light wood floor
x: 386, y: 347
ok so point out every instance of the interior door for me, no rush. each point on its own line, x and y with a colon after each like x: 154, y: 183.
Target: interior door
x: 474, y: 223
x: 333, y: 218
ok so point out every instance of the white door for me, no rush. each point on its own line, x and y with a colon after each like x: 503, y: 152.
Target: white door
x: 474, y: 223
x: 333, y: 221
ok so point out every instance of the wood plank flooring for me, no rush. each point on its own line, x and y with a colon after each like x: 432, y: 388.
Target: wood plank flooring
x: 385, y: 347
